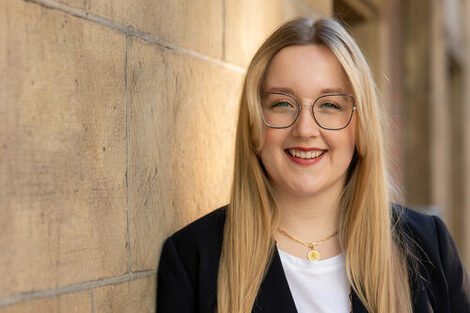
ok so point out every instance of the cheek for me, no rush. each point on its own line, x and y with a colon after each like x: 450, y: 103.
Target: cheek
x: 349, y: 135
x: 342, y: 144
x: 272, y: 146
x: 271, y: 135
x: 349, y: 142
x: 273, y: 139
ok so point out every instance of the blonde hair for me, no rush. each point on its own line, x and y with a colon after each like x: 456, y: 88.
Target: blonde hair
x: 375, y: 259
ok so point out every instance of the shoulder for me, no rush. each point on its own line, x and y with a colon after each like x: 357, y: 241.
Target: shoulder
x: 417, y: 224
x: 440, y: 273
x: 199, y: 241
x: 188, y: 267
x: 425, y: 232
x: 205, y: 229
x: 196, y: 247
x: 426, y: 229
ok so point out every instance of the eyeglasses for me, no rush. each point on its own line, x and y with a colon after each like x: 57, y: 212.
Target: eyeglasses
x: 331, y: 111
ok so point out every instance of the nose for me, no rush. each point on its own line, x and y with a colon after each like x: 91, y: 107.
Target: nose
x: 305, y: 126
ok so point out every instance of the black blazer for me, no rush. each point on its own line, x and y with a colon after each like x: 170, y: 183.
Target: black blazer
x: 187, y: 272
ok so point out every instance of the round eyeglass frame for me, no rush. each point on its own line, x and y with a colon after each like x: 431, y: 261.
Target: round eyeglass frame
x: 354, y: 108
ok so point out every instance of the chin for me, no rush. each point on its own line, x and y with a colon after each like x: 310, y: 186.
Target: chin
x: 305, y: 191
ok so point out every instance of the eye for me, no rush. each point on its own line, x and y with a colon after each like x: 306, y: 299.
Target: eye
x: 282, y: 104
x: 330, y: 106
x: 278, y: 103
x: 282, y: 107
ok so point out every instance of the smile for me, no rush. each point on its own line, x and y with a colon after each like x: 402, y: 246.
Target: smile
x: 305, y: 154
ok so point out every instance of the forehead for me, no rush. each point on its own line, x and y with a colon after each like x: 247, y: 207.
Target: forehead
x: 307, y: 70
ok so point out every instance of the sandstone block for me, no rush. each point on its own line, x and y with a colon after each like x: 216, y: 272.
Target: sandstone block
x: 79, y: 302
x: 248, y: 23
x: 323, y: 7
x: 182, y: 126
x: 137, y: 296
x: 195, y: 25
x: 63, y: 211
x: 74, y: 3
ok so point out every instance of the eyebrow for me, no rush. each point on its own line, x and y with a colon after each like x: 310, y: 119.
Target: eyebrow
x: 290, y: 91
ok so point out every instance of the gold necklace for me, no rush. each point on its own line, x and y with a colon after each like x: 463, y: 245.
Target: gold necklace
x: 313, y: 254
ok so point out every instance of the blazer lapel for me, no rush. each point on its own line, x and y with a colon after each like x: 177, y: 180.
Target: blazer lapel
x: 357, y: 305
x: 274, y: 294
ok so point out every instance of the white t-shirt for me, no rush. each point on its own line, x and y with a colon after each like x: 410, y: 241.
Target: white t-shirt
x: 317, y: 286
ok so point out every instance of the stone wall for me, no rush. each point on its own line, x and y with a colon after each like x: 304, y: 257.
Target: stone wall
x: 116, y: 129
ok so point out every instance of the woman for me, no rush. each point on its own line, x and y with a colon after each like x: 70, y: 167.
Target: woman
x: 310, y: 227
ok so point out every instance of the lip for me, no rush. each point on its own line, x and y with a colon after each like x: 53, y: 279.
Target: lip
x: 305, y: 161
x: 304, y: 148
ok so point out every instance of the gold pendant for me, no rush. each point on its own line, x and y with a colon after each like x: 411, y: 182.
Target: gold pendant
x: 314, y: 255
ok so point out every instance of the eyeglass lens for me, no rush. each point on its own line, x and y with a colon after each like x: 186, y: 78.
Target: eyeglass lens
x: 329, y: 111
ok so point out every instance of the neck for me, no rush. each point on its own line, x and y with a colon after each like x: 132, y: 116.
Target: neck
x: 310, y: 218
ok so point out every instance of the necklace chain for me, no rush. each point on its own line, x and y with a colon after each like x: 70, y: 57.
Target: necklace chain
x: 313, y: 255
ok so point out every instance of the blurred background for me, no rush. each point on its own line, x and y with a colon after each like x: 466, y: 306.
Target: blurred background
x: 117, y: 128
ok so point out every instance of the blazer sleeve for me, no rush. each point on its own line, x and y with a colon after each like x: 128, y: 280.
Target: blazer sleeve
x: 456, y: 276
x: 175, y: 292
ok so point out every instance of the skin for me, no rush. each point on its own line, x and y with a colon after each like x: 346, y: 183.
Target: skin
x: 308, y: 194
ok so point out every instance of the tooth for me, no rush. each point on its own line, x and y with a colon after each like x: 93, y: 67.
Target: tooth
x: 306, y: 154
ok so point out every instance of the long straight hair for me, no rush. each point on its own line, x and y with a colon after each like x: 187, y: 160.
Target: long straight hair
x: 375, y: 259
